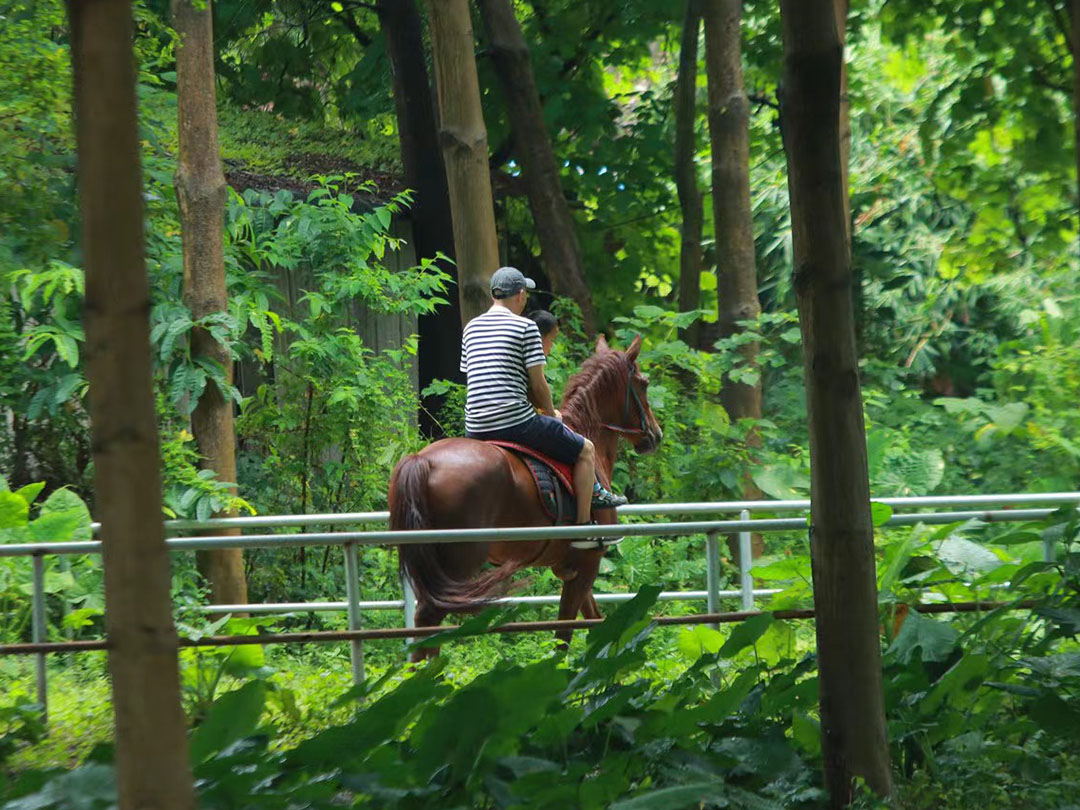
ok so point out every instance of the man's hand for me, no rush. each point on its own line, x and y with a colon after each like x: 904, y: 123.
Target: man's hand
x: 557, y: 414
x: 539, y: 391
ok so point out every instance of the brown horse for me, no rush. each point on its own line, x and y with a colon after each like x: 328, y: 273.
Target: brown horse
x: 464, y: 484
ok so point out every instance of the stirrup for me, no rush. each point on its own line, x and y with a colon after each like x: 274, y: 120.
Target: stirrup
x: 592, y: 543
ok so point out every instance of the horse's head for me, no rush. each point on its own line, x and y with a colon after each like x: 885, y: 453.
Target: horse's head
x: 630, y: 413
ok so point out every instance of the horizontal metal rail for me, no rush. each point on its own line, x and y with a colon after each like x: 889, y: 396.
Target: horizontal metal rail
x: 350, y: 540
x: 399, y: 604
x: 509, y: 627
x: 399, y: 538
x: 643, y: 510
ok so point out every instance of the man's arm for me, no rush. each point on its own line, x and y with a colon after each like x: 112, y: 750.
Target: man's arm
x: 540, y: 391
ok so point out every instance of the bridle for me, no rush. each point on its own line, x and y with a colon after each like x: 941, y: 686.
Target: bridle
x: 631, y: 394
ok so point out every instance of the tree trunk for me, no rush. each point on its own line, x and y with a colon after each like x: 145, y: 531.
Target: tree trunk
x: 464, y: 146
x: 1075, y: 6
x: 690, y: 261
x: 554, y: 225
x: 200, y: 190
x: 841, y: 534
x: 736, y: 270
x: 433, y: 228
x: 841, y: 10
x: 151, y: 741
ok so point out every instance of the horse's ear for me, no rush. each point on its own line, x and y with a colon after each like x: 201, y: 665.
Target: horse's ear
x: 601, y: 344
x: 634, y: 350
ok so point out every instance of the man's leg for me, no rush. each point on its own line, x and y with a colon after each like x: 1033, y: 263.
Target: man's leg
x: 584, y: 480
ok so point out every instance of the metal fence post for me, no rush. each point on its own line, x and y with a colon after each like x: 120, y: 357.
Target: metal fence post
x: 410, y: 604
x: 746, y: 562
x: 37, y: 629
x: 352, y: 590
x: 1049, y: 550
x: 712, y: 573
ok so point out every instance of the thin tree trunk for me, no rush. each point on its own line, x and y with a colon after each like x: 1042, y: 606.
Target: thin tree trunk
x: 151, y: 742
x: 200, y: 190
x: 559, y: 248
x: 690, y: 261
x: 1075, y: 7
x: 729, y: 132
x: 736, y: 269
x: 841, y: 534
x: 433, y: 228
x: 464, y: 146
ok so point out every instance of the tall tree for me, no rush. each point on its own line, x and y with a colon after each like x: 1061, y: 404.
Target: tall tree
x: 151, y: 742
x: 690, y: 259
x: 200, y: 190
x: 464, y: 146
x: 559, y: 247
x: 736, y: 269
x: 841, y: 532
x: 1074, y: 6
x: 421, y: 158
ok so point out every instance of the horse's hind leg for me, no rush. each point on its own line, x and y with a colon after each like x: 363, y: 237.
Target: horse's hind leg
x: 427, y: 615
x: 589, y: 608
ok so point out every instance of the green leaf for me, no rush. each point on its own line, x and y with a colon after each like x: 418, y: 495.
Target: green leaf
x: 880, y: 513
x: 381, y: 721
x: 30, y: 492
x: 625, y: 617
x: 745, y: 634
x: 782, y: 482
x: 806, y: 731
x: 965, y: 558
x: 232, y: 717
x: 935, y: 640
x: 965, y: 675
x: 693, y: 642
x: 680, y: 797
x: 68, y: 505
x: 14, y: 511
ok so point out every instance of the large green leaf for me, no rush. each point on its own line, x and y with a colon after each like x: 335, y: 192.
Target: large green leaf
x: 745, y: 634
x: 934, y: 640
x: 14, y: 511
x: 696, y: 794
x: 232, y: 716
x: 624, y: 618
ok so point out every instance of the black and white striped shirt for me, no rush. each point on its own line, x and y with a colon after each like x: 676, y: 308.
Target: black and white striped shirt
x: 496, y: 349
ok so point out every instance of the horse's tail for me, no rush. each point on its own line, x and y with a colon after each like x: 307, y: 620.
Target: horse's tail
x: 422, y: 563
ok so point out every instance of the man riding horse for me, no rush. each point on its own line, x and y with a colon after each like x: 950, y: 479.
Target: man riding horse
x: 455, y: 484
x: 502, y: 357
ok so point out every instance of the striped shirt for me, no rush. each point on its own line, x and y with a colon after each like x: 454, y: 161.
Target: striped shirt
x: 496, y: 350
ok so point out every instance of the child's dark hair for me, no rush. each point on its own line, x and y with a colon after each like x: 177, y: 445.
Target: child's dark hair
x: 545, y: 321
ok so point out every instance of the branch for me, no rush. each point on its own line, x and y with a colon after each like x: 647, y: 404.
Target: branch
x: 763, y: 100
x: 350, y: 22
x: 1063, y: 27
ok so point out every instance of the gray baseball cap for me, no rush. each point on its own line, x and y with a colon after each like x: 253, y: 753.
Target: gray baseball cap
x: 509, y: 281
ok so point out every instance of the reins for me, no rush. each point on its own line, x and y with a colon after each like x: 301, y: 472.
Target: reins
x: 630, y: 394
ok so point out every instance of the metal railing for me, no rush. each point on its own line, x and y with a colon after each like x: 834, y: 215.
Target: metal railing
x: 351, y: 540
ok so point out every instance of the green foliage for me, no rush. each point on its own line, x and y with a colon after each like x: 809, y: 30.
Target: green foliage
x: 73, y: 584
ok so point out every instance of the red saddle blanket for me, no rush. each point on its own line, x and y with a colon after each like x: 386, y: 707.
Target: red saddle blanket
x: 554, y: 481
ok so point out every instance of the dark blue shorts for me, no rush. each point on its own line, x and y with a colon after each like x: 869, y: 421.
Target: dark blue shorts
x: 543, y: 433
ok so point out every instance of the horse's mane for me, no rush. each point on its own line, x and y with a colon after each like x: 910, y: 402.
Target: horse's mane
x: 601, y: 376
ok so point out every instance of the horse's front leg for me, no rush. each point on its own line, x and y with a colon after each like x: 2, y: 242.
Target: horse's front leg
x: 577, y: 591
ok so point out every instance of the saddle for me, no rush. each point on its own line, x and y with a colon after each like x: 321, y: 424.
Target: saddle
x: 554, y: 482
